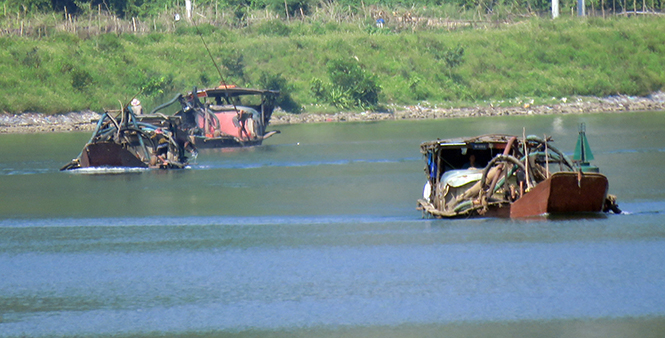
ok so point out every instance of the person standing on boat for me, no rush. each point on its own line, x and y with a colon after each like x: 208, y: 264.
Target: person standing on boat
x: 137, y: 109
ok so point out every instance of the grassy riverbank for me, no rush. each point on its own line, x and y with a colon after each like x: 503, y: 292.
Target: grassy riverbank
x: 536, y: 59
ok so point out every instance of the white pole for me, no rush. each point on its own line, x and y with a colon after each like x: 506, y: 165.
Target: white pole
x: 555, y: 9
x: 188, y: 8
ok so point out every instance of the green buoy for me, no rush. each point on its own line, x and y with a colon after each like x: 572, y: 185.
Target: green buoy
x: 583, y: 153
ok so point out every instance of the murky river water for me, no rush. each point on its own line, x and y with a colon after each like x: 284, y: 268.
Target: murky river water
x: 315, y: 234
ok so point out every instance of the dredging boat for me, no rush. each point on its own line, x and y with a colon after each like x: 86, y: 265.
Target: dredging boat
x: 124, y: 141
x: 224, y: 116
x: 507, y: 176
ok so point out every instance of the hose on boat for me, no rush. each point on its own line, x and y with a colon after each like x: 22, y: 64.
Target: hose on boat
x: 164, y: 105
x: 539, y: 140
x: 492, y: 163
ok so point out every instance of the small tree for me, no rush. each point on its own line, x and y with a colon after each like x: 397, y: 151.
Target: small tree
x: 351, y: 85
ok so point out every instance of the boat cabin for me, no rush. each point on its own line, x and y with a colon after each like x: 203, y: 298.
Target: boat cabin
x: 225, y: 116
x: 464, y: 153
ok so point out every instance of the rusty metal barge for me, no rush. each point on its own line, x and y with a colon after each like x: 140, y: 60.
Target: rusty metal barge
x: 507, y: 176
x: 122, y: 140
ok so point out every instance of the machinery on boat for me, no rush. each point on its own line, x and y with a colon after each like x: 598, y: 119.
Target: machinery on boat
x: 506, y: 176
x: 124, y: 141
x: 224, y: 116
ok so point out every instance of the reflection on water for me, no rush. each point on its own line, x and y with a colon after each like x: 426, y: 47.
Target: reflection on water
x: 316, y: 234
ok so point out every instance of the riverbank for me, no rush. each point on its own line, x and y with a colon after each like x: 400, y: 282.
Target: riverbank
x: 86, y: 120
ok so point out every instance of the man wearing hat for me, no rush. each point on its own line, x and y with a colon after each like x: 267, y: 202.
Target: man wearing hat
x: 136, y: 107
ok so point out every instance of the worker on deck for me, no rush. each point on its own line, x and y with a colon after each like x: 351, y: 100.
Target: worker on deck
x: 161, y: 152
x: 137, y: 109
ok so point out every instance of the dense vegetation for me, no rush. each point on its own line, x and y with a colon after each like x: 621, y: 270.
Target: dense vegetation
x: 331, y: 56
x: 294, y: 8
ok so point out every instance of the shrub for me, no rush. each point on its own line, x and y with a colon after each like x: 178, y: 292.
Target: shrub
x: 158, y: 85
x: 109, y: 43
x: 32, y: 58
x: 81, y: 79
x: 273, y: 28
x: 351, y: 86
x: 233, y: 61
x: 452, y: 57
x: 417, y: 90
x: 68, y: 38
x: 278, y: 82
x: 318, y: 89
x: 155, y: 37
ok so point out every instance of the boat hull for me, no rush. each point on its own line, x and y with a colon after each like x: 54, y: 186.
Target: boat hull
x: 562, y: 193
x: 107, y: 154
x: 224, y: 142
x: 203, y: 142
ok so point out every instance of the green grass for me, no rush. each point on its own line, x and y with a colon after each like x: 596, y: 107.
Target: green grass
x: 536, y: 58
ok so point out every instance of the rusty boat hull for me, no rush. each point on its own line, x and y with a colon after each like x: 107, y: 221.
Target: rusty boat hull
x: 109, y: 154
x: 563, y: 193
x: 204, y: 142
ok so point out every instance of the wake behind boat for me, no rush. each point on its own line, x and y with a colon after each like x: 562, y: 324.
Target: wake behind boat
x: 507, y: 176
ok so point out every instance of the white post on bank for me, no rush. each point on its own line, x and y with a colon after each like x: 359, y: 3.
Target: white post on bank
x: 188, y: 8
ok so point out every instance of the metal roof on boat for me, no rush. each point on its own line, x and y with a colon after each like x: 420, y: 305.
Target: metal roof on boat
x: 231, y: 91
x: 463, y: 141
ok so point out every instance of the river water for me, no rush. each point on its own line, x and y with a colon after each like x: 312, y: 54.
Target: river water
x: 315, y: 234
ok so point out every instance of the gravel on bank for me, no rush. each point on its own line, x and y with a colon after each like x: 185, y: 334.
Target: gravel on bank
x: 86, y: 120
x: 612, y: 104
x: 41, y: 123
